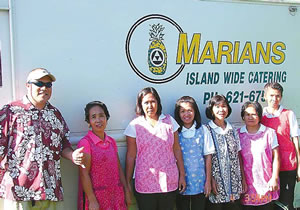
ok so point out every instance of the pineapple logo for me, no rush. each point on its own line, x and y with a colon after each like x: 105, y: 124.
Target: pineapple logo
x: 157, y: 53
x: 153, y: 68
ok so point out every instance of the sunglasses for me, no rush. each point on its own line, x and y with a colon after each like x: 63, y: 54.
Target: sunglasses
x: 41, y: 84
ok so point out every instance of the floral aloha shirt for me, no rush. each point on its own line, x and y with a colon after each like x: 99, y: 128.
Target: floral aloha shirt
x: 31, y: 143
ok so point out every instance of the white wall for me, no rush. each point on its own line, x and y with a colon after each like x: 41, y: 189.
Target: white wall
x: 6, y: 89
x: 83, y: 44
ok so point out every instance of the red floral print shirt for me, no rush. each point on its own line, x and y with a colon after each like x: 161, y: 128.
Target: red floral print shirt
x: 31, y: 143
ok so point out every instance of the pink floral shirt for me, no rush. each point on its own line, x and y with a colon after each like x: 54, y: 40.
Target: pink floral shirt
x: 31, y: 143
x: 156, y: 170
x: 104, y: 173
x: 257, y: 158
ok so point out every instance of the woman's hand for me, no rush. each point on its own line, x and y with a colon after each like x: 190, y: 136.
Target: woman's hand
x: 214, y: 186
x: 181, y: 184
x: 128, y: 196
x: 244, y: 185
x: 207, y: 188
x: 179, y: 162
x: 93, y: 204
x: 273, y: 184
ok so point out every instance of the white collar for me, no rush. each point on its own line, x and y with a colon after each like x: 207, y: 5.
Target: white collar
x: 262, y: 128
x: 161, y: 116
x: 218, y: 129
x: 276, y: 113
x: 189, y: 132
x: 192, y: 128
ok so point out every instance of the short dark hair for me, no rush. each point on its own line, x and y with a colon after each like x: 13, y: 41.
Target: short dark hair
x: 216, y: 100
x: 91, y: 105
x: 187, y: 99
x: 273, y: 85
x: 258, y: 108
x: 139, y: 109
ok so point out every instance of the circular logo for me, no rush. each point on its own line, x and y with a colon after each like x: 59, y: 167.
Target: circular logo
x: 163, y: 34
x: 157, y: 57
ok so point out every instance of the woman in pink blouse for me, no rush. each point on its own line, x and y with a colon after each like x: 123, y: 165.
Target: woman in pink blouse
x: 153, y: 149
x: 260, y: 159
x: 102, y: 182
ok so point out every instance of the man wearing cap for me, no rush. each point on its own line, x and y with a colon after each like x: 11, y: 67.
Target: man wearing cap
x: 33, y: 136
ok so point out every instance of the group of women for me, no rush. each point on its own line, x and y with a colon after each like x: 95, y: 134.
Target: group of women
x: 180, y: 160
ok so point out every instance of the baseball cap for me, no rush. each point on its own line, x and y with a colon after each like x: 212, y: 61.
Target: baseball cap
x: 38, y: 73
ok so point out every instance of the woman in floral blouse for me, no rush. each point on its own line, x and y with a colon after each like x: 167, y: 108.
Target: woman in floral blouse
x: 260, y: 153
x: 102, y: 182
x: 227, y: 173
x: 153, y: 150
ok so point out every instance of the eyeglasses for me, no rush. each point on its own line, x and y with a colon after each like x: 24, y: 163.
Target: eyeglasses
x: 41, y: 84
